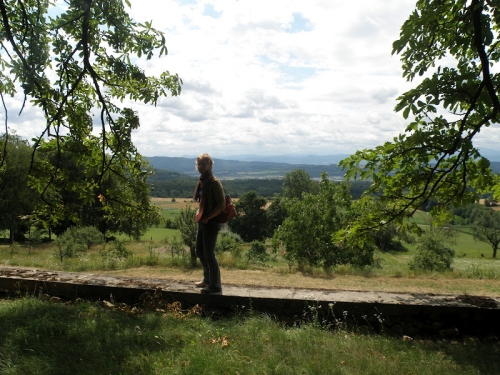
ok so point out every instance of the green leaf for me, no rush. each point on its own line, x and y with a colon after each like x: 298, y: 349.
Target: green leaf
x: 406, y: 112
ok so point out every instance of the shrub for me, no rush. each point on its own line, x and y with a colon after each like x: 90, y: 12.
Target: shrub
x: 432, y: 254
x: 75, y: 240
x: 229, y: 242
x: 176, y: 247
x: 171, y: 224
x: 257, y: 252
x: 35, y: 237
x: 88, y: 236
x: 306, y: 233
x: 235, y: 236
x: 117, y: 250
x: 188, y: 229
x: 68, y: 245
x: 385, y: 238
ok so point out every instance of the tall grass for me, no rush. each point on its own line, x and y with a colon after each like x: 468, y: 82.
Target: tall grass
x: 473, y: 269
x: 473, y: 259
x: 40, y: 337
x: 153, y: 252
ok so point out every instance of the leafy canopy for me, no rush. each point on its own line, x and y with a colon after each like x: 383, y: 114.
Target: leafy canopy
x: 450, y: 49
x: 296, y: 183
x: 251, y: 222
x: 308, y: 233
x: 74, y: 59
x: 17, y: 200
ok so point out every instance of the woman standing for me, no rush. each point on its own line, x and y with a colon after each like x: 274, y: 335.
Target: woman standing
x: 210, y: 193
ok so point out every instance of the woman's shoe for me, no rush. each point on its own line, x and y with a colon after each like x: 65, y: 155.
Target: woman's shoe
x: 210, y: 290
x: 201, y: 284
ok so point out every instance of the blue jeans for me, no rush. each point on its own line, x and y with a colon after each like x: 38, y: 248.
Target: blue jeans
x: 206, y: 239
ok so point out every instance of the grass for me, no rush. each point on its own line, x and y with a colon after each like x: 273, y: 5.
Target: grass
x: 170, y: 207
x: 472, y: 276
x: 39, y: 337
x: 474, y: 271
x: 156, y: 234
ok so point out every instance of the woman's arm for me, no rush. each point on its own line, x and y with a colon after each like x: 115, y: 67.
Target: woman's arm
x: 220, y: 200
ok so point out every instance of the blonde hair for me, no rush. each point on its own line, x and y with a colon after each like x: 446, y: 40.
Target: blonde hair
x: 205, y: 158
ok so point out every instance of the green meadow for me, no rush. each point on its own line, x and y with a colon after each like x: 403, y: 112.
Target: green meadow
x: 41, y: 337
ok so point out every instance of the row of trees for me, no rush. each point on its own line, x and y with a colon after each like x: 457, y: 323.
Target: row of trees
x: 178, y: 186
x: 116, y: 201
x: 307, y: 222
x: 303, y: 222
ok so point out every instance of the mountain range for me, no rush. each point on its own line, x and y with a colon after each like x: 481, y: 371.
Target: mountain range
x: 237, y: 169
x: 492, y: 155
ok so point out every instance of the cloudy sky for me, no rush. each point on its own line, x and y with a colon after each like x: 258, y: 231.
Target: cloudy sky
x: 275, y: 77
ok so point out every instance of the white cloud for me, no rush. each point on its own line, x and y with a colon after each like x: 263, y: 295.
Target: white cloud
x: 272, y: 77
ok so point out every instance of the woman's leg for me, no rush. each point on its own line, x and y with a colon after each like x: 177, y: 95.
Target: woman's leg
x: 209, y: 238
x: 201, y: 254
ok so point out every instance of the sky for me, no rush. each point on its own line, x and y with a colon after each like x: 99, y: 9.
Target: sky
x: 275, y: 77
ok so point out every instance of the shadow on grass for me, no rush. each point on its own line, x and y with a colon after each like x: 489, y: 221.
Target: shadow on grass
x: 481, y: 355
x: 39, y: 337
x: 46, y: 338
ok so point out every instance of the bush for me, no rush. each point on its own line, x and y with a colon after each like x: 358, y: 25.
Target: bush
x: 257, y: 252
x: 306, y: 233
x: 117, y: 250
x: 35, y: 237
x: 385, y: 239
x: 75, y: 240
x: 432, y: 255
x: 68, y: 245
x: 88, y: 236
x: 176, y: 247
x: 171, y: 224
x: 229, y: 242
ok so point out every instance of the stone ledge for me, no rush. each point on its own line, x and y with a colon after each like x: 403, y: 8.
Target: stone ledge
x: 425, y: 313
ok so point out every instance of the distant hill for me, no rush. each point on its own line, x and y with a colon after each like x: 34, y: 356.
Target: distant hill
x: 490, y: 154
x: 495, y: 166
x: 166, y: 175
x: 232, y: 169
x: 291, y: 159
x: 235, y: 169
x: 176, y: 176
